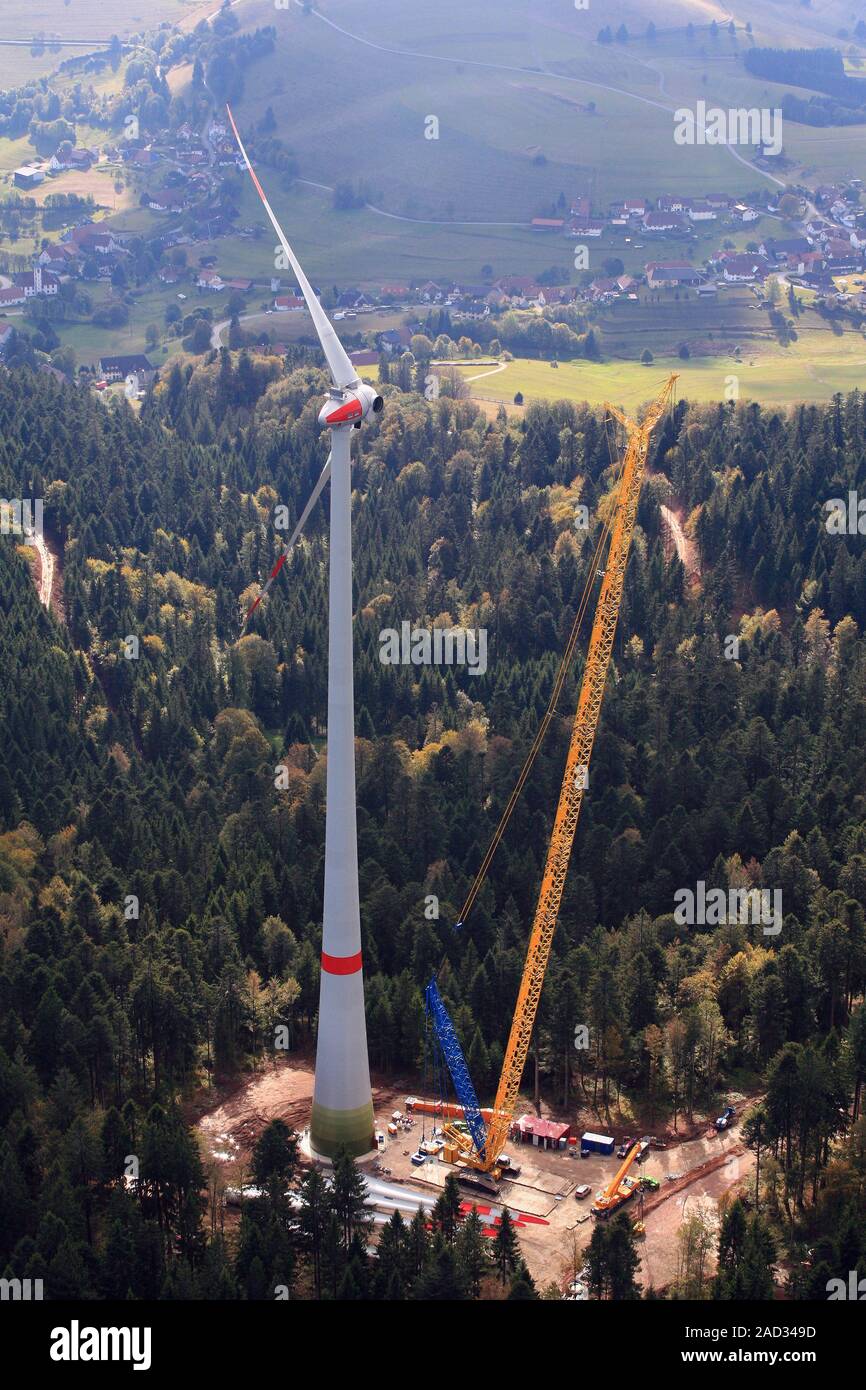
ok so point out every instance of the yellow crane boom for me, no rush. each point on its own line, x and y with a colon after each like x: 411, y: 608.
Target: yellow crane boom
x: 612, y: 1196
x: 574, y: 782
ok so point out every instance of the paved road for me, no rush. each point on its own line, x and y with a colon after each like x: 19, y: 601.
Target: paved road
x: 53, y: 43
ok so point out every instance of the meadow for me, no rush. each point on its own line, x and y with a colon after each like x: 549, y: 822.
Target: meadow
x: 511, y: 90
x: 79, y: 19
x: 812, y: 371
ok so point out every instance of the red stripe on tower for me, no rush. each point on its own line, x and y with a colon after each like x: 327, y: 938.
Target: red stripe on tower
x: 341, y: 965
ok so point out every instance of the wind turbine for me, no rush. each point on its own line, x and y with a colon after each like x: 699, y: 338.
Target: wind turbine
x: 342, y: 1100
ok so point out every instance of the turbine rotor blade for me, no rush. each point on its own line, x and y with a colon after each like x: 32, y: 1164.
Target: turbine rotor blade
x: 294, y: 537
x: 342, y: 371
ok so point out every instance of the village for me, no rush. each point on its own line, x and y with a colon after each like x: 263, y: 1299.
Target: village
x: 831, y: 240
x: 637, y: 251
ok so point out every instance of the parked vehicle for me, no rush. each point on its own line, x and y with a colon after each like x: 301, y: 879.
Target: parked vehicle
x: 582, y: 1192
x: 726, y: 1119
x: 508, y: 1166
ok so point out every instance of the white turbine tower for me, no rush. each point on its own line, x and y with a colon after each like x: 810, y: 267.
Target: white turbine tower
x: 342, y: 1102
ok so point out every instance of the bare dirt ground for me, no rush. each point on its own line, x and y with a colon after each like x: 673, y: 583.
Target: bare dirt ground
x: 279, y: 1093
x: 230, y: 1119
x: 685, y: 548
x: 47, y: 574
x: 663, y: 1214
x: 701, y: 1167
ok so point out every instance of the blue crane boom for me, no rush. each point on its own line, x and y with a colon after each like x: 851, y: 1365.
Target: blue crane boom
x: 456, y: 1063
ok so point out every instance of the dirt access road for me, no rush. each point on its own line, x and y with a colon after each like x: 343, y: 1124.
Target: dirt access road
x: 45, y: 572
x: 685, y: 548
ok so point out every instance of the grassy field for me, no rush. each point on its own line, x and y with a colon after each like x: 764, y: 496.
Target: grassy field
x: 771, y: 375
x: 363, y: 248
x: 508, y: 89
x: 97, y: 181
x: 80, y: 19
x: 511, y: 85
x: 91, y: 342
x: 531, y: 110
x: 293, y: 327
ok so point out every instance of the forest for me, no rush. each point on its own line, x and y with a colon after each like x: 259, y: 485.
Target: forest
x: 818, y: 69
x: 162, y: 814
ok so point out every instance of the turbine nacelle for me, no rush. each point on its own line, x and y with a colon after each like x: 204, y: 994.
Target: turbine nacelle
x: 350, y: 406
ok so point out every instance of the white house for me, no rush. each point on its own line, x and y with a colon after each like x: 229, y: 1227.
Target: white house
x: 36, y: 282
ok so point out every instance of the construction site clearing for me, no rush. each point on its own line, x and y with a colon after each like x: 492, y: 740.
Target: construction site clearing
x: 542, y: 1203
x: 553, y: 1226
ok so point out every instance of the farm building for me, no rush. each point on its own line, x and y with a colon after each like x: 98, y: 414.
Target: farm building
x: 210, y: 280
x: 167, y: 200
x: 28, y: 176
x: 663, y: 222
x: 671, y: 275
x: 119, y: 368
x: 585, y: 226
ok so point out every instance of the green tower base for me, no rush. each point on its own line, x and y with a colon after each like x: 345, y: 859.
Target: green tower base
x: 331, y: 1130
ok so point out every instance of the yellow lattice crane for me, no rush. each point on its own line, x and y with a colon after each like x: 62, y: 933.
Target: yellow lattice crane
x: 474, y: 1152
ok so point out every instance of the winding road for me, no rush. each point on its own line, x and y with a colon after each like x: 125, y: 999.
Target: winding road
x: 524, y: 70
